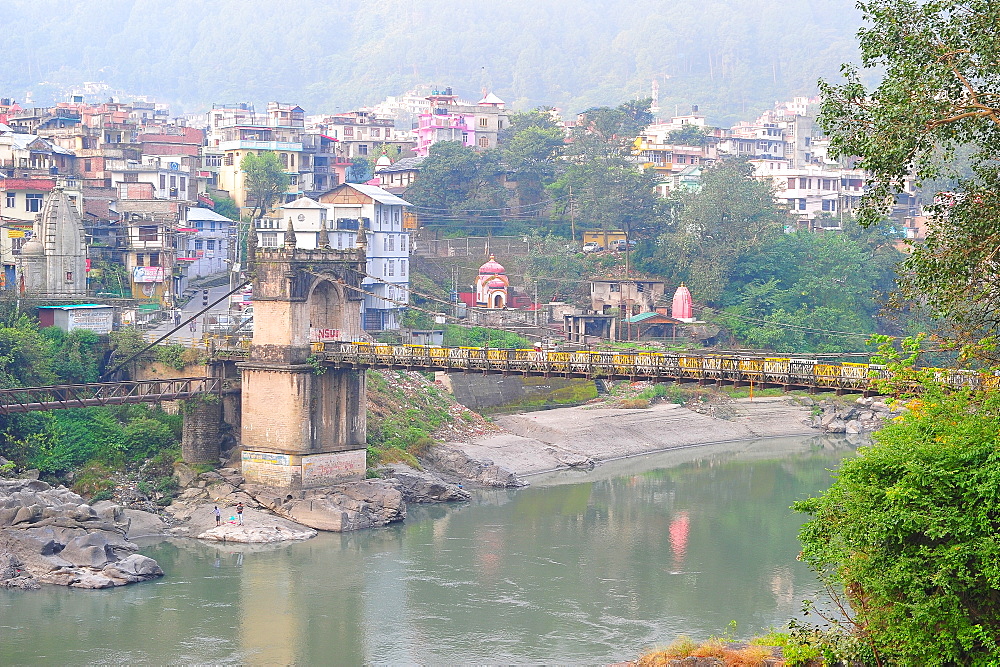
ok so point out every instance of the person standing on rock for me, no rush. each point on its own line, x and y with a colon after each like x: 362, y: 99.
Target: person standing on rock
x: 239, y: 513
x: 218, y: 516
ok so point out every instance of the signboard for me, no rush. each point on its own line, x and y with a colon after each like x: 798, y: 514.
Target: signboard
x: 98, y: 320
x: 323, y: 335
x: 320, y: 469
x: 267, y: 457
x: 15, y: 233
x: 147, y: 274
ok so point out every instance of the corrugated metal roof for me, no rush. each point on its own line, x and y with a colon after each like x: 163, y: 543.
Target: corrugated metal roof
x: 379, y: 195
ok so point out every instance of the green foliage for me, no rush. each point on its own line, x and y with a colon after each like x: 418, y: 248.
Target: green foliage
x: 173, y: 355
x: 460, y: 336
x: 76, y: 355
x: 125, y: 345
x: 940, y: 81
x: 111, y: 278
x: 226, y: 206
x: 709, y: 231
x: 689, y: 135
x: 266, y: 180
x: 458, y: 186
x: 362, y: 169
x: 907, y: 534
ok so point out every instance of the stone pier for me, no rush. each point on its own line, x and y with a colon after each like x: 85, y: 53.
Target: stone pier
x: 303, y: 425
x: 200, y: 437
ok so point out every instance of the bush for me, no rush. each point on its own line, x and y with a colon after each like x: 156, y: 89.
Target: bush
x: 634, y: 403
x: 907, y: 534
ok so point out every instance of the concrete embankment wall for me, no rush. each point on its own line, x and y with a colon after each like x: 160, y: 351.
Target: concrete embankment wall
x: 497, y: 393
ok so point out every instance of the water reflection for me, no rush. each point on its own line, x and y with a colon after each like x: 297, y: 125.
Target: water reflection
x: 575, y: 568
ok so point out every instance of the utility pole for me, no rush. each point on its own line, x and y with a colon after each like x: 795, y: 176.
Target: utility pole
x: 535, y: 301
x: 572, y: 215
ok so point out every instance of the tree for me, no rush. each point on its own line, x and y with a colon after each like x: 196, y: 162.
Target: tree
x: 226, y: 206
x: 458, y: 186
x: 361, y: 170
x: 940, y: 93
x: 266, y: 180
x: 710, y: 230
x: 689, y: 135
x: 908, y: 533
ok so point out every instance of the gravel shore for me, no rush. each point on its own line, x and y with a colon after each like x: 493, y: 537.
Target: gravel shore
x: 542, y: 441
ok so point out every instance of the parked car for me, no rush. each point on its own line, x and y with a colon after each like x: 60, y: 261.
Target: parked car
x: 620, y: 245
x: 592, y: 246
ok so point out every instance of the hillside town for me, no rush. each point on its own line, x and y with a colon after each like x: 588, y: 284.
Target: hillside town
x: 120, y: 200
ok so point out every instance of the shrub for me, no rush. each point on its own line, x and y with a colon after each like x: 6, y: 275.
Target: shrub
x: 906, y: 535
x: 634, y: 403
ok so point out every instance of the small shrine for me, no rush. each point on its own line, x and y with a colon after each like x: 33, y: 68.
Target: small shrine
x: 682, y: 308
x: 492, y: 286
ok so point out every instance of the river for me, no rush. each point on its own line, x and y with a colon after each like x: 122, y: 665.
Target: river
x: 576, y: 568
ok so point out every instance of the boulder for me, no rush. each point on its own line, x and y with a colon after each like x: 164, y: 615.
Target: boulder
x: 184, y: 474
x: 418, y: 486
x: 853, y: 426
x: 352, y: 506
x: 91, y: 550
x: 54, y: 537
x: 257, y: 534
x: 133, y: 568
x: 218, y: 490
x: 453, y: 461
x: 836, y: 426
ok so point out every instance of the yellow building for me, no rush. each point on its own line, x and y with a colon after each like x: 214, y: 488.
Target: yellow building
x: 238, y: 131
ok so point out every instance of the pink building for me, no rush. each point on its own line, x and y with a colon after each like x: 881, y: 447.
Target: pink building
x: 475, y: 125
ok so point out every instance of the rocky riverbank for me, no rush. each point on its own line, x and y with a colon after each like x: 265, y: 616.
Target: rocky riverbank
x: 52, y: 536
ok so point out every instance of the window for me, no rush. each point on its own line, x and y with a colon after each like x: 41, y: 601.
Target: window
x: 484, y: 122
x: 402, y: 267
x: 349, y: 132
x: 484, y: 142
x: 385, y: 243
x: 154, y: 259
x: 392, y: 267
x: 163, y: 181
x: 183, y: 183
x: 804, y: 183
x: 269, y: 239
x: 148, y: 233
x: 284, y: 160
x: 392, y: 242
x: 32, y: 203
x: 11, y: 199
x: 199, y: 244
x: 292, y: 160
x: 173, y: 181
x: 375, y: 132
x: 87, y: 166
x: 363, y: 149
x: 210, y: 244
x: 829, y: 205
x: 131, y: 177
x: 140, y: 259
x: 229, y: 159
x: 680, y: 159
x: 69, y: 276
x: 402, y: 242
x: 802, y: 204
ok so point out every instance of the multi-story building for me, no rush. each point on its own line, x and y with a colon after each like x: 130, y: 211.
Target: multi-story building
x: 237, y: 131
x: 675, y: 161
x: 206, y: 243
x: 449, y: 119
x: 360, y: 133
x: 812, y: 191
x: 344, y: 212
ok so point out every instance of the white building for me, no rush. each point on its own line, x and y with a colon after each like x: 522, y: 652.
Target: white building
x: 343, y: 212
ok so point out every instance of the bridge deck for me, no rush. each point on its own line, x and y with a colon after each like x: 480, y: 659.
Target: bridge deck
x: 62, y: 397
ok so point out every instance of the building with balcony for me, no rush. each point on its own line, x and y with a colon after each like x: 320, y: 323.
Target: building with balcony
x: 236, y: 131
x: 474, y: 125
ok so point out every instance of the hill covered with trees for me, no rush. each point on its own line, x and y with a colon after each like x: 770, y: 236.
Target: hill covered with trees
x: 732, y: 59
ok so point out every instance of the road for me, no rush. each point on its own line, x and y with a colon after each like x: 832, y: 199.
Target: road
x: 195, y: 328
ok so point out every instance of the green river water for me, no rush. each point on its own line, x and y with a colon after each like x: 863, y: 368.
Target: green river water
x: 580, y: 568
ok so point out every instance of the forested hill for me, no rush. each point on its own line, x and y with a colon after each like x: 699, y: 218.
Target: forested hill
x: 730, y: 58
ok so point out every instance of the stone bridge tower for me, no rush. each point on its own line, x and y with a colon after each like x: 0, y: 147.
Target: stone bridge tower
x: 302, y: 425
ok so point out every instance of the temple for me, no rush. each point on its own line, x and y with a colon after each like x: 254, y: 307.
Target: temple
x: 53, y: 262
x: 492, y: 286
x: 682, y: 309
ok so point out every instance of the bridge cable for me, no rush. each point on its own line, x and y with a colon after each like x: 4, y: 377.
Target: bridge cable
x: 169, y: 333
